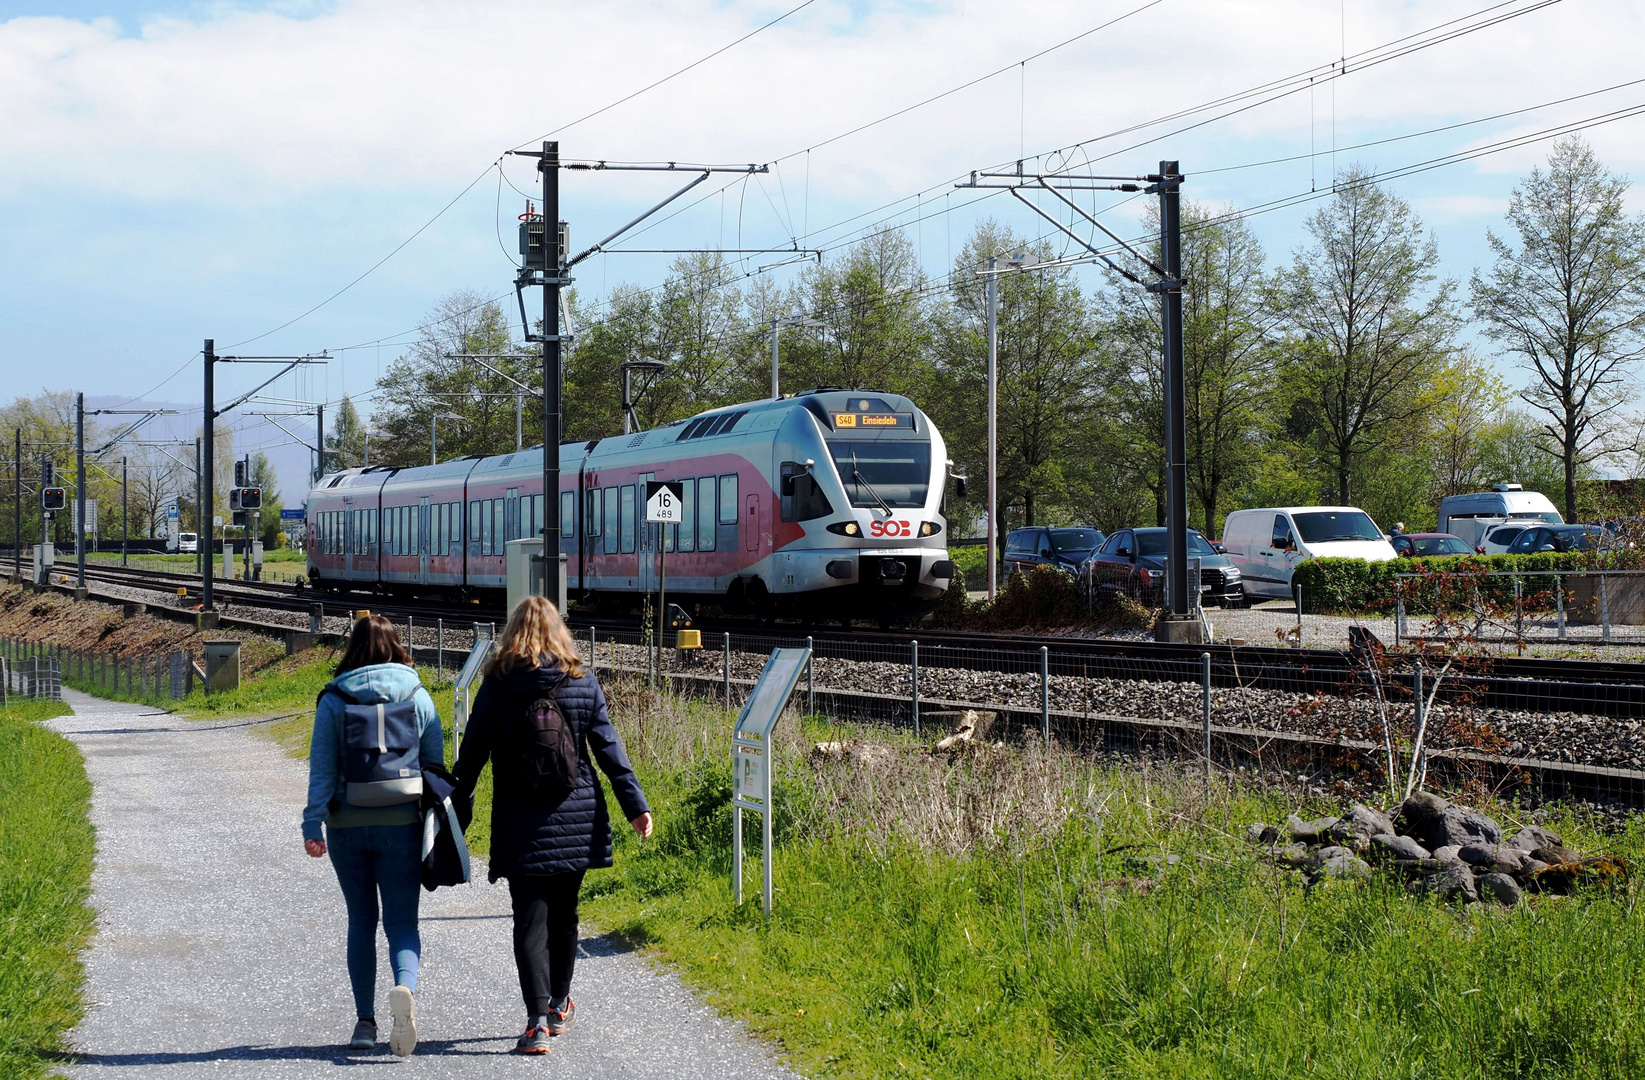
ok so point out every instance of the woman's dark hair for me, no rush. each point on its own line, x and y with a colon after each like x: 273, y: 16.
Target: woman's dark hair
x: 373, y: 641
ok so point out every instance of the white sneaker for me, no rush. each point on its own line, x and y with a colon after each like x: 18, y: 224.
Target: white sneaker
x: 402, y: 1040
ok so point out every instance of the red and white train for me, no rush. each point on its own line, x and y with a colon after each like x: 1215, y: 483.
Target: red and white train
x: 828, y: 502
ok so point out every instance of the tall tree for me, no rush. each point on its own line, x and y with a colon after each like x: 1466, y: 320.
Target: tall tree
x: 345, y: 445
x: 261, y: 475
x: 426, y: 381
x: 1047, y: 384
x: 872, y: 305
x: 1569, y: 301
x: 1227, y: 362
x: 1370, y: 322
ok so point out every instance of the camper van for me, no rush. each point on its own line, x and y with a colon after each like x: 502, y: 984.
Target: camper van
x: 1468, y: 515
x: 1266, y: 545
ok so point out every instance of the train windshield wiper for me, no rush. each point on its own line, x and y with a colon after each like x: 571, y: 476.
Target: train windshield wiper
x: 856, y: 475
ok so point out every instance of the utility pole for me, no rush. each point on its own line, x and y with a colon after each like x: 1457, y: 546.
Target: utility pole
x: 1169, y: 287
x: 199, y: 508
x: 519, y: 422
x: 17, y: 503
x: 776, y: 331
x: 208, y: 481
x: 125, y: 520
x: 553, y: 278
x: 319, y: 442
x: 80, y: 490
x: 993, y: 431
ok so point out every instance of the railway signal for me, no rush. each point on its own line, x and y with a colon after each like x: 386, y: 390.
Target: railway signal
x: 53, y: 499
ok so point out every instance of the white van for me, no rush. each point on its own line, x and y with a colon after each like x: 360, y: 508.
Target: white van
x: 188, y: 543
x: 1266, y: 545
x: 1503, y: 502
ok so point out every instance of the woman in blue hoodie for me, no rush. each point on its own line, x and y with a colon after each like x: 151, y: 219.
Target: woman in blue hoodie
x: 376, y: 850
x: 544, y: 847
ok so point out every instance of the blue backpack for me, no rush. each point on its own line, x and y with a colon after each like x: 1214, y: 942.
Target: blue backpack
x: 382, y: 759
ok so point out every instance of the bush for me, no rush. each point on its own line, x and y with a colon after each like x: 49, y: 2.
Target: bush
x: 1040, y: 597
x: 1345, y: 586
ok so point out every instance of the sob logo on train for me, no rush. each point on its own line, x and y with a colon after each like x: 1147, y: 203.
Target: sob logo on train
x: 890, y: 528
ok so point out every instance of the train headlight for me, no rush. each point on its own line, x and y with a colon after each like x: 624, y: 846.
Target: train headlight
x: 930, y: 528
x: 845, y: 528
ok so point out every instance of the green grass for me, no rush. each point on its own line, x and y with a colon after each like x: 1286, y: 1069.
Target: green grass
x: 46, y: 846
x: 980, y: 917
x: 892, y: 954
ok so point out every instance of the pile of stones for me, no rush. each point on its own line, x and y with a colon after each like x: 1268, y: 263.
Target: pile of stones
x: 1455, y: 852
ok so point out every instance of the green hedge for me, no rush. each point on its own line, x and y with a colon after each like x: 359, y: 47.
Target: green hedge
x: 1341, y: 586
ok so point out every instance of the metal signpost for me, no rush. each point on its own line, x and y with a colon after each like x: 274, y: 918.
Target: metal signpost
x: 751, y: 757
x: 462, y: 694
x: 664, y: 505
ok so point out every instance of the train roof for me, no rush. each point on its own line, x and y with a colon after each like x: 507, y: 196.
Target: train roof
x: 728, y: 420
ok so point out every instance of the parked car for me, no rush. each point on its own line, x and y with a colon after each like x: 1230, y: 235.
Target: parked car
x: 1132, y: 561
x: 1496, y: 537
x: 1065, y: 548
x: 1266, y: 545
x: 188, y: 543
x: 1557, y: 538
x: 1417, y: 545
x: 1465, y: 515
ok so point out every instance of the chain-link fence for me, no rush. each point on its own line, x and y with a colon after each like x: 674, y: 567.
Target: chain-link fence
x: 29, y: 670
x: 1586, y: 606
x: 161, y: 676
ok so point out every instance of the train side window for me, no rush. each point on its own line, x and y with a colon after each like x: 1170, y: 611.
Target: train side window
x: 414, y: 532
x: 593, y: 516
x: 648, y: 536
x: 688, y: 516
x: 625, y: 503
x: 486, y: 527
x: 802, y: 496
x: 474, y: 526
x: 730, y: 510
x: 705, y: 511
x: 608, y: 502
x: 568, y: 513
x: 496, y: 545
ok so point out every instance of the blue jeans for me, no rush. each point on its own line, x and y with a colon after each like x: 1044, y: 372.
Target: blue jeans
x: 373, y: 860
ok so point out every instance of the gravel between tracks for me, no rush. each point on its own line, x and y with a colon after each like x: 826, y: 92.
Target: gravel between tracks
x: 219, y: 949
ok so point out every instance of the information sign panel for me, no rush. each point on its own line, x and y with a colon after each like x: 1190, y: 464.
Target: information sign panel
x: 751, y: 757
x: 462, y: 695
x: 289, y: 514
x: 664, y: 501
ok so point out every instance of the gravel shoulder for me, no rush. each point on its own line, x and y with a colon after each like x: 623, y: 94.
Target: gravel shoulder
x: 219, y: 948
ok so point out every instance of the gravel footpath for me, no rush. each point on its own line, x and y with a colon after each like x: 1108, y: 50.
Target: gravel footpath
x: 219, y: 946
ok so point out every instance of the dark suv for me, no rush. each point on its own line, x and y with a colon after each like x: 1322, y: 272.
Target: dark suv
x: 1065, y: 548
x: 1133, y: 562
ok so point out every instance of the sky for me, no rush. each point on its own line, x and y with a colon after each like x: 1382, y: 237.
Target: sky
x: 310, y: 175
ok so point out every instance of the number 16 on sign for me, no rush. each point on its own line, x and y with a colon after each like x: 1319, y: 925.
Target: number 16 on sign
x: 665, y: 506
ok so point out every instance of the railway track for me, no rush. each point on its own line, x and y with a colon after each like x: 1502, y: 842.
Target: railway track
x: 1604, y: 688
x: 1599, y: 688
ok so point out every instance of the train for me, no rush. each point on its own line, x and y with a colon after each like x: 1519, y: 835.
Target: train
x: 826, y: 503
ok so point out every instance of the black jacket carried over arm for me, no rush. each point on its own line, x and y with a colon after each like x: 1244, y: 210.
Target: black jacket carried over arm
x: 529, y: 836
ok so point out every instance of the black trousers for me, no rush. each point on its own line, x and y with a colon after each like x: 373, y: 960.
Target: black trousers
x: 545, y: 935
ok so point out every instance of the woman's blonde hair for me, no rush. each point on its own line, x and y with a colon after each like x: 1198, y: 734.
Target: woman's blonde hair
x: 535, y: 632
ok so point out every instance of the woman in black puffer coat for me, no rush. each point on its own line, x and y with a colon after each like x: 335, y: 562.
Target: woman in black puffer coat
x: 544, y: 848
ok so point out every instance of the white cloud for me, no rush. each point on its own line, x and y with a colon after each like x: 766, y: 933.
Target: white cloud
x: 258, y: 106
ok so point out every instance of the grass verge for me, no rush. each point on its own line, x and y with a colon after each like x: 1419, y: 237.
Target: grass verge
x: 1018, y: 913
x: 46, y: 848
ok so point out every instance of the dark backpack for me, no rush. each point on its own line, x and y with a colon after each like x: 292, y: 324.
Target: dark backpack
x: 547, y: 745
x: 382, y: 759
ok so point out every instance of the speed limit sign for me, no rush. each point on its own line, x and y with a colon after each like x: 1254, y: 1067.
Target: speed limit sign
x: 665, y: 501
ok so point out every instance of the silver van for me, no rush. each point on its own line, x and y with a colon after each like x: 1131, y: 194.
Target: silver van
x: 1266, y: 545
x: 1504, y: 502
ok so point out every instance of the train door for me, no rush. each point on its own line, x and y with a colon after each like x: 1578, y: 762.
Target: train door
x: 646, y: 549
x: 751, y: 522
x: 423, y: 536
x: 349, y: 526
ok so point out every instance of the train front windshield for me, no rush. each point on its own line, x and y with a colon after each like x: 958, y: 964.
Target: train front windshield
x: 883, y: 472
